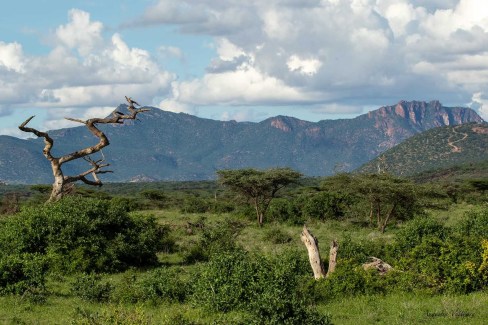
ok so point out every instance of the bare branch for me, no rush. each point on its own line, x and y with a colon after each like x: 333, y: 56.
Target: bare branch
x: 61, y: 185
x: 48, y: 141
x: 75, y: 120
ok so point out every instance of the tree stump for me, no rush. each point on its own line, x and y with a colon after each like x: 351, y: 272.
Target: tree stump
x: 312, y: 245
x: 334, y: 246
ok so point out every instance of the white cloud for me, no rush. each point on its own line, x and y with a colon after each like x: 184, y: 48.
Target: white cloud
x: 172, y: 105
x: 479, y: 102
x: 303, y: 66
x: 80, y: 32
x: 83, y: 69
x: 349, y: 52
x: 334, y: 54
x: 247, y: 85
x: 12, y: 57
x: 228, y: 51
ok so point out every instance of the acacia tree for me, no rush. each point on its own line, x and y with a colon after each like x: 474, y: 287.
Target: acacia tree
x: 387, y: 197
x: 258, y: 186
x: 62, y: 183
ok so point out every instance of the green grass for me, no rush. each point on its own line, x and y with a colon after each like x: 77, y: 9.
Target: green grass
x: 410, y: 309
x: 61, y: 307
x: 388, y: 309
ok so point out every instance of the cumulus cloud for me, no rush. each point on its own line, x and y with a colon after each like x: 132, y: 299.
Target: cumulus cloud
x: 12, y: 57
x: 479, y: 103
x: 352, y: 52
x: 304, y: 66
x: 83, y: 70
x: 80, y: 33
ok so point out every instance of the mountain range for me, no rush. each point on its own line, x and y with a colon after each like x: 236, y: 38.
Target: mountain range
x: 438, y: 148
x: 175, y: 146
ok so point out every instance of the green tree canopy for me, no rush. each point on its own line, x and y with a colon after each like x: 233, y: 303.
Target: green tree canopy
x: 258, y: 186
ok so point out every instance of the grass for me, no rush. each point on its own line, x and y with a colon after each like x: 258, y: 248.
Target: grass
x: 61, y: 307
x: 410, y: 309
x: 388, y: 309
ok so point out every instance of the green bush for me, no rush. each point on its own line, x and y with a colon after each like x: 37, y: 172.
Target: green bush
x: 474, y: 225
x: 277, y: 236
x: 90, y: 287
x: 22, y: 272
x: 164, y: 284
x: 214, y: 240
x: 87, y: 235
x: 268, y: 288
x: 416, y: 230
x: 286, y: 210
x: 327, y: 205
x: 194, y: 204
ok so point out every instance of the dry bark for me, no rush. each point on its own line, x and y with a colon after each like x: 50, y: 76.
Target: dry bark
x: 334, y: 246
x: 312, y: 245
x: 61, y: 182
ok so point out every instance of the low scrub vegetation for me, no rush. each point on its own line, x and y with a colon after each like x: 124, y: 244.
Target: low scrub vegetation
x: 197, y: 256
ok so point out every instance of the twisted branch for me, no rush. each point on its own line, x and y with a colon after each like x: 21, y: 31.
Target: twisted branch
x: 97, y: 165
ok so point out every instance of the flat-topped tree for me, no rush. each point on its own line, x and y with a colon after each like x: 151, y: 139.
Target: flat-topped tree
x: 63, y: 183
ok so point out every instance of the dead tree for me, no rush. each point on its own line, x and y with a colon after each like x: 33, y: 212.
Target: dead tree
x: 312, y: 245
x: 63, y: 183
x: 316, y: 263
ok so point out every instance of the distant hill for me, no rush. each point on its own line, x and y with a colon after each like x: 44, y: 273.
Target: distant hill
x: 170, y: 146
x: 436, y: 149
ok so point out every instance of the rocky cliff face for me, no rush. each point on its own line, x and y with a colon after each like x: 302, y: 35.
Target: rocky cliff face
x: 408, y: 118
x: 170, y: 146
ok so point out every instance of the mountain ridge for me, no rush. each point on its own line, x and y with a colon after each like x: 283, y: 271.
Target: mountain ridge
x: 177, y: 146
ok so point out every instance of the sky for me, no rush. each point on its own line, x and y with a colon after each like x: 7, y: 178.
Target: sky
x: 238, y: 60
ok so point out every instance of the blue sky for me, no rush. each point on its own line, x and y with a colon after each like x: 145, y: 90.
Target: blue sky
x: 242, y: 60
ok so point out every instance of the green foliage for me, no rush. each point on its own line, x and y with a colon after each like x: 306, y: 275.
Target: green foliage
x: 277, y: 236
x: 286, y: 210
x: 84, y: 235
x: 380, y: 197
x: 267, y: 288
x: 259, y: 186
x: 416, y: 230
x: 90, y: 287
x: 474, y: 225
x: 327, y: 205
x: 214, y: 240
x: 22, y: 272
x: 164, y: 284
x: 195, y: 205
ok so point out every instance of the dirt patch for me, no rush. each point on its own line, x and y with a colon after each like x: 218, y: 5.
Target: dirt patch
x: 480, y: 130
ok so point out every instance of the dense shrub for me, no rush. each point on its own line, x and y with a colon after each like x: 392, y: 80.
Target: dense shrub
x: 22, y: 272
x: 194, y: 204
x: 416, y: 230
x: 87, y: 235
x: 277, y: 236
x: 164, y: 284
x: 265, y: 287
x: 286, y: 210
x: 214, y: 240
x: 327, y: 205
x: 474, y: 225
x: 90, y: 287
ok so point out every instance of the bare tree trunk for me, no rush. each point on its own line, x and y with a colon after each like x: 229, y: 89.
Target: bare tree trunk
x: 58, y: 185
x: 334, y: 246
x: 312, y: 245
x: 61, y: 181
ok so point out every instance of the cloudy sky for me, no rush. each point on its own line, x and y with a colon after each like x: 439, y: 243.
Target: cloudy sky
x: 234, y: 59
